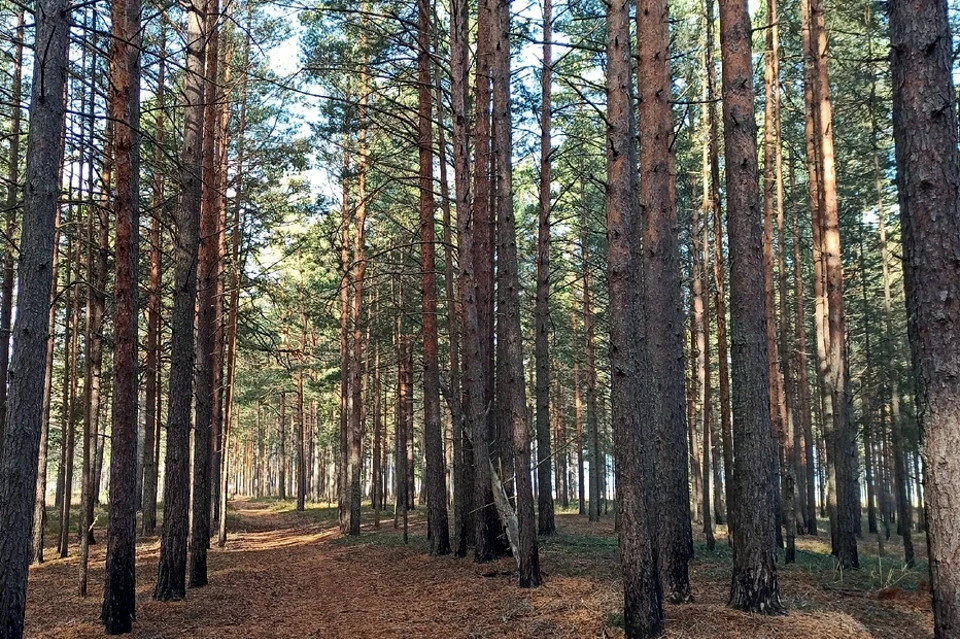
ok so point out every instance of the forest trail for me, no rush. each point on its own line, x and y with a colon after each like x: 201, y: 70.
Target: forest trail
x: 289, y: 575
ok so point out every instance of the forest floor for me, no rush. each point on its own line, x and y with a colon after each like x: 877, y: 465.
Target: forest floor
x: 290, y: 575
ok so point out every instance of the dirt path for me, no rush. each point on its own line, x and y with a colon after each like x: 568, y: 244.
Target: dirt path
x: 289, y: 575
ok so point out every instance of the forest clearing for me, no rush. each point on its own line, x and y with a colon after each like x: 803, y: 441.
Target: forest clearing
x: 286, y: 574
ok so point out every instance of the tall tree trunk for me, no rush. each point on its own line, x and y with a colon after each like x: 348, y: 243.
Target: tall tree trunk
x: 119, y: 589
x: 356, y: 299
x: 462, y: 457
x: 643, y: 597
x: 904, y: 511
x: 771, y: 144
x: 590, y: 364
x: 511, y: 389
x: 21, y: 439
x: 841, y: 436
x: 928, y: 180
x: 207, y: 333
x: 343, y: 474
x: 40, y: 498
x: 701, y: 311
x: 578, y: 416
x: 488, y: 542
x: 152, y: 419
x: 719, y: 279
x: 98, y: 230
x: 439, y: 530
x: 660, y: 263
x: 754, y: 584
x: 236, y: 268
x: 13, y: 198
x: 546, y: 524
x: 171, y: 576
x: 69, y: 433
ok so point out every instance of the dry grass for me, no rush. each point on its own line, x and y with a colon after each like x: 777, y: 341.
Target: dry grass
x: 287, y: 575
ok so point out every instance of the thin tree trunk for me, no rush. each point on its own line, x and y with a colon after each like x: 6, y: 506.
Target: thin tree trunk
x: 356, y: 298
x: 590, y: 364
x: 69, y: 410
x: 439, y: 530
x: 771, y: 144
x: 546, y: 524
x: 13, y: 197
x: 719, y: 279
x: 208, y: 274
x: 488, y: 537
x: 511, y: 389
x: 345, y: 367
x: 578, y: 418
x: 171, y: 576
x: 152, y: 361
x: 40, y: 498
x: 98, y: 230
x: 841, y: 436
x: 701, y: 312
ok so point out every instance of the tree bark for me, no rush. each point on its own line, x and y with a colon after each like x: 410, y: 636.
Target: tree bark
x: 719, y: 279
x: 152, y: 419
x: 511, y: 388
x: 13, y: 198
x: 661, y: 287
x: 171, y: 575
x: 208, y: 267
x: 21, y: 438
x: 439, y: 530
x: 468, y: 522
x: 643, y: 596
x: 590, y: 364
x: 840, y: 435
x: 928, y: 180
x: 546, y: 524
x: 119, y: 590
x: 754, y: 584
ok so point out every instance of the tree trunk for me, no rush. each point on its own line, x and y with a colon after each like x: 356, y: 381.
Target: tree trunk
x: 343, y: 474
x: 355, y: 460
x: 98, y: 248
x: 439, y: 530
x: 511, y: 389
x: 928, y: 180
x: 719, y: 280
x: 590, y: 364
x: 13, y: 198
x: 176, y: 489
x: 578, y: 415
x: 40, y: 499
x: 754, y: 584
x: 488, y: 538
x: 660, y: 263
x: 701, y: 311
x: 207, y: 333
x: 771, y: 145
x: 840, y: 435
x: 152, y: 419
x: 69, y: 396
x: 119, y: 589
x: 643, y: 597
x: 21, y: 439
